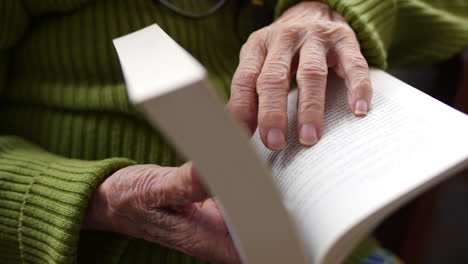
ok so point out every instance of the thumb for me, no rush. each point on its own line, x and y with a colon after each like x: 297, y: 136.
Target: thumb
x: 181, y: 186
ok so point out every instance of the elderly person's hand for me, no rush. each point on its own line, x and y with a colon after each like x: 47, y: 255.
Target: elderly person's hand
x: 165, y: 205
x: 307, y: 39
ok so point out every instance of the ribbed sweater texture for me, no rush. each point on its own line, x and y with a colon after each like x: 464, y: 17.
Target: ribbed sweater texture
x: 66, y: 122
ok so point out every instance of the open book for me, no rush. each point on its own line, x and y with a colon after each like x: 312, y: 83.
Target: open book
x: 301, y: 204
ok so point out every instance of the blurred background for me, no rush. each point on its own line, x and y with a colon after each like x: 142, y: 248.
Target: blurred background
x: 433, y: 229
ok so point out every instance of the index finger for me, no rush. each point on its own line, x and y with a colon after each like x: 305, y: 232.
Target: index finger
x: 243, y: 100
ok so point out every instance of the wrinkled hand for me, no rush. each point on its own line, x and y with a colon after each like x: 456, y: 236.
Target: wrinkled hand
x: 164, y: 205
x: 307, y: 39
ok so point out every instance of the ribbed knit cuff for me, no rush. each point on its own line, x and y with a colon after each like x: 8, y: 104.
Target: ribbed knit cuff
x: 51, y: 195
x: 372, y: 21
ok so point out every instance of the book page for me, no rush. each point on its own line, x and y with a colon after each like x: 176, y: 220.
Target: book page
x: 169, y: 87
x: 363, y: 164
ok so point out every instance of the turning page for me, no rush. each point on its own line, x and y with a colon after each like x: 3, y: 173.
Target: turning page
x: 169, y: 86
x: 365, y: 167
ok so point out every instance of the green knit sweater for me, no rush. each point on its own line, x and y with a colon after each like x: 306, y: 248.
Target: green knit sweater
x: 66, y: 122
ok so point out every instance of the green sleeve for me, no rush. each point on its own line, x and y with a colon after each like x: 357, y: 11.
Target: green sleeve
x: 43, y: 198
x: 404, y: 32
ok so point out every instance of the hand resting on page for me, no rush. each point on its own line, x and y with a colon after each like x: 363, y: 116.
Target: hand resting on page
x: 307, y: 39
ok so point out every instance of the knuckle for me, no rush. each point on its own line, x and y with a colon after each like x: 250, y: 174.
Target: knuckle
x: 341, y: 30
x: 147, y: 188
x: 311, y: 105
x: 289, y: 32
x: 267, y: 80
x: 242, y: 108
x: 272, y: 94
x: 362, y: 84
x: 246, y: 49
x: 359, y: 64
x: 324, y: 28
x: 251, y: 61
x: 244, y: 111
x: 275, y: 74
x: 180, y: 193
x: 257, y: 36
x: 312, y: 71
x: 291, y: 29
x: 333, y: 30
x: 348, y: 45
x: 131, y: 187
x: 359, y: 73
x: 256, y: 40
x: 313, y: 94
x: 244, y: 80
x: 161, y: 218
x: 272, y: 114
x: 253, y: 38
x: 273, y: 101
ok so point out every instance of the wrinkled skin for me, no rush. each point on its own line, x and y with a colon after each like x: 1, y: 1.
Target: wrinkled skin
x: 307, y: 39
x: 168, y: 205
x: 164, y: 205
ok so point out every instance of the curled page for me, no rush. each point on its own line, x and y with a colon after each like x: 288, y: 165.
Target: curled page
x: 169, y: 86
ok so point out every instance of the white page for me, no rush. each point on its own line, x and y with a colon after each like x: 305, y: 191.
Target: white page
x: 169, y: 86
x: 362, y: 164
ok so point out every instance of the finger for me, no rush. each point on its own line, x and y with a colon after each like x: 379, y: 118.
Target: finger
x: 353, y: 66
x: 273, y: 86
x: 243, y: 100
x: 180, y: 186
x: 212, y: 229
x: 199, y: 231
x: 311, y: 79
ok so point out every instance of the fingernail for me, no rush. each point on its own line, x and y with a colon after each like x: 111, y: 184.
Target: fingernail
x: 276, y: 139
x: 308, y: 135
x: 361, y: 108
